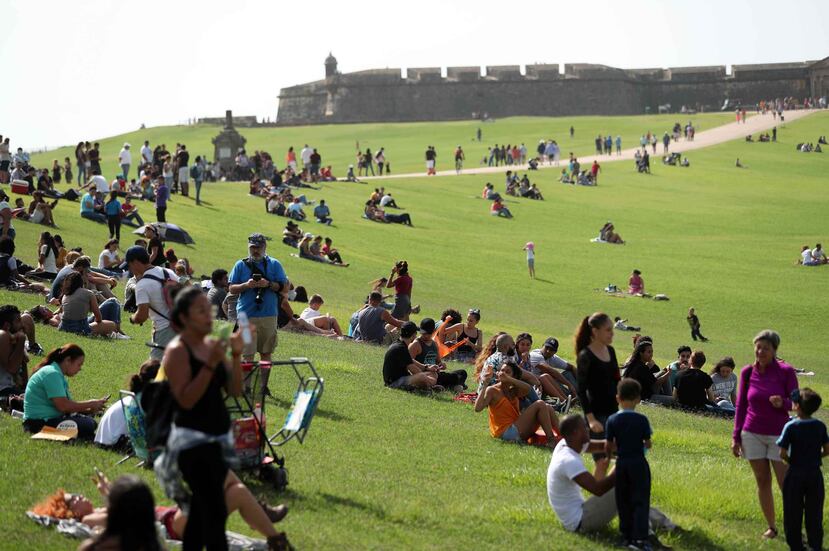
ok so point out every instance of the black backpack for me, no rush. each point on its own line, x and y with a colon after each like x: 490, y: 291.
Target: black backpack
x: 159, y: 408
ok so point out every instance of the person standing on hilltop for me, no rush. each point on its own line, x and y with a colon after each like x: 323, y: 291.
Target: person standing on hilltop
x: 182, y: 160
x: 431, y: 156
x: 572, y: 132
x: 125, y: 160
x: 94, y: 156
x: 305, y: 155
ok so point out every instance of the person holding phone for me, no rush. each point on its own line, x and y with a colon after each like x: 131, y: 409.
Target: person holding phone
x: 260, y: 283
x: 200, y: 445
x: 47, y: 400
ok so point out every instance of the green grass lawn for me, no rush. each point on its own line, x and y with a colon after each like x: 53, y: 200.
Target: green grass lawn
x: 404, y: 142
x: 383, y: 469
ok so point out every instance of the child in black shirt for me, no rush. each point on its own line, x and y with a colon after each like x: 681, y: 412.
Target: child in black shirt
x: 629, y: 434
x: 803, y: 443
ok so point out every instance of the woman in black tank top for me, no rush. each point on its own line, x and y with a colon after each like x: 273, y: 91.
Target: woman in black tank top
x: 468, y: 351
x: 197, y: 370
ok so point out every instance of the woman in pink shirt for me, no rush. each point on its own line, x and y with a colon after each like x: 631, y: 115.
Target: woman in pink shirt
x: 763, y: 405
x: 636, y: 285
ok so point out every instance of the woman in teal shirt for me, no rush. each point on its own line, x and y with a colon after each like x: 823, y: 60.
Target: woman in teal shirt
x: 47, y: 401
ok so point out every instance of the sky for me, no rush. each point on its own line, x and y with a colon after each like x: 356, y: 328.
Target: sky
x: 94, y: 68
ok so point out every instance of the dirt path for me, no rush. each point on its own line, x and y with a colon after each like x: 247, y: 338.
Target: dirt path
x: 724, y: 133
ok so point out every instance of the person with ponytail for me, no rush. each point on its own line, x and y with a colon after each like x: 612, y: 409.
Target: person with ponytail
x: 598, y: 375
x: 47, y: 401
x: 130, y: 519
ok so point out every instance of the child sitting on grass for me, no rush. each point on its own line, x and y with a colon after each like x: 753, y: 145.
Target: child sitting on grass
x: 803, y: 443
x: 628, y: 434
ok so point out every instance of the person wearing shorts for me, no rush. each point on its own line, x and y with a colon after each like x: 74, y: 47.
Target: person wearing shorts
x: 400, y: 370
x: 260, y: 283
x: 763, y: 405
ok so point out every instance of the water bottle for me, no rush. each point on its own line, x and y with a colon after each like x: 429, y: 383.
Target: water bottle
x: 17, y: 414
x: 244, y: 327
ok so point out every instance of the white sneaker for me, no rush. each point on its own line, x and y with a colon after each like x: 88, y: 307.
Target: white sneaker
x: 121, y: 336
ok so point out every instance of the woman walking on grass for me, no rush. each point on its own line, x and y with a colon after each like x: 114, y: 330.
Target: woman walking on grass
x: 763, y: 405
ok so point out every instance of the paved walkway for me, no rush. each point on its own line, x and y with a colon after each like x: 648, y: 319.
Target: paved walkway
x: 724, y: 133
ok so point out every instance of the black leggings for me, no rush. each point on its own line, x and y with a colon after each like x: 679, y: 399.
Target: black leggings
x: 114, y: 223
x: 204, y: 470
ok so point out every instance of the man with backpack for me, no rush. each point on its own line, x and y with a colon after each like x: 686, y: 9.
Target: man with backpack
x: 152, y: 297
x: 260, y: 283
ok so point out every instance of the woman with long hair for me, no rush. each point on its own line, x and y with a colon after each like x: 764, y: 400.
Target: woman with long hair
x: 468, y: 332
x: 82, y: 162
x: 76, y: 304
x: 487, y: 351
x: 763, y: 405
x: 47, y: 255
x: 200, y: 447
x: 598, y: 375
x: 47, y: 400
x: 641, y: 367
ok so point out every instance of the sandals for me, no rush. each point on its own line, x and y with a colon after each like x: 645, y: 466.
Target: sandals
x: 770, y: 534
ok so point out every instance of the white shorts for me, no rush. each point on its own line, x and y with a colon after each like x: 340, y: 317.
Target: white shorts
x: 430, y: 164
x: 183, y: 174
x: 760, y: 446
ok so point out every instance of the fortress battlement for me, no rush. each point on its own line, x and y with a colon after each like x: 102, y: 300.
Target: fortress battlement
x: 430, y: 93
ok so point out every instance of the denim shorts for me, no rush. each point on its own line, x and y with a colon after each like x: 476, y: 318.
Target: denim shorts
x: 511, y: 434
x: 75, y: 326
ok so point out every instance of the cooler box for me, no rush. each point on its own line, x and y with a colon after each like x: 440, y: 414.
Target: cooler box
x: 20, y: 186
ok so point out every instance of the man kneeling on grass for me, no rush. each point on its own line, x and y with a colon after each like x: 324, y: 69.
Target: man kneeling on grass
x: 402, y: 372
x: 567, y: 475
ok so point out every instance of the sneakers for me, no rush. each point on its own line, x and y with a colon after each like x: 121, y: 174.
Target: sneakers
x: 120, y: 336
x: 275, y: 514
x: 640, y: 545
x: 35, y: 348
x: 416, y: 309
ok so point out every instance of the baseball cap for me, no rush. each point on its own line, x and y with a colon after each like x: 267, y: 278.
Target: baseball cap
x: 427, y: 326
x: 551, y: 342
x: 408, y: 329
x: 138, y: 253
x: 257, y: 240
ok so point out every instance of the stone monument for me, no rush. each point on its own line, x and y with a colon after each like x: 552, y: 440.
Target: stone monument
x: 227, y: 144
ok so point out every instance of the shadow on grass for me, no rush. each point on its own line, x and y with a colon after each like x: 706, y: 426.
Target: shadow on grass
x: 683, y: 539
x: 320, y: 412
x: 542, y: 280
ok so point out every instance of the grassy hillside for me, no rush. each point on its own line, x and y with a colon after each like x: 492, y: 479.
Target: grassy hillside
x: 404, y: 142
x: 383, y: 469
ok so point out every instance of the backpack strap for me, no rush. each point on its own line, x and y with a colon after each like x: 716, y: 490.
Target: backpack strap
x: 162, y: 282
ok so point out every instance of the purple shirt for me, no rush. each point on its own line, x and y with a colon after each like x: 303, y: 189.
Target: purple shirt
x: 754, y: 411
x: 162, y: 193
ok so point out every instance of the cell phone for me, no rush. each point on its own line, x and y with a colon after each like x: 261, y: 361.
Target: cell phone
x: 257, y: 277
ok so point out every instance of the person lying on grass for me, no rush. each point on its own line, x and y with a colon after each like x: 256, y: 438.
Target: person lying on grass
x: 608, y: 234
x: 257, y: 514
x: 506, y: 421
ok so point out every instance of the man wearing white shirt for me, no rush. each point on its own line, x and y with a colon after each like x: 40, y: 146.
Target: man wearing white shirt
x: 146, y: 154
x: 388, y: 201
x: 545, y: 360
x: 305, y: 155
x: 125, y: 160
x: 99, y: 183
x: 312, y: 315
x: 818, y: 255
x: 567, y: 475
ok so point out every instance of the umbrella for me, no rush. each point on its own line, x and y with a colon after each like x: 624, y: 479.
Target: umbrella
x: 168, y: 232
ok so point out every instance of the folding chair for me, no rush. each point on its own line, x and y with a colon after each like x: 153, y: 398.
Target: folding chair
x: 307, y: 397
x: 136, y: 427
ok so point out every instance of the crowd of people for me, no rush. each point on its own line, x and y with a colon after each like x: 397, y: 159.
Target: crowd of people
x: 523, y: 389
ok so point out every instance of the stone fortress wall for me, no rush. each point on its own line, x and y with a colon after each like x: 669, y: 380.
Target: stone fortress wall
x: 425, y: 94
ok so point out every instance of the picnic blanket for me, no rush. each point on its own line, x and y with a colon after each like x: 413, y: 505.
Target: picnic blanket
x: 78, y: 530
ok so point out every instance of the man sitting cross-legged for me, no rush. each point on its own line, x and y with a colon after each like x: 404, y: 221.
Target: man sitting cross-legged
x: 402, y: 372
x: 312, y: 315
x: 425, y: 351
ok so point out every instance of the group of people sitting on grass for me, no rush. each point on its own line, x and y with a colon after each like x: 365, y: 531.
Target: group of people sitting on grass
x: 521, y: 187
x: 809, y: 147
x: 675, y: 159
x: 376, y: 212
x: 812, y: 257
